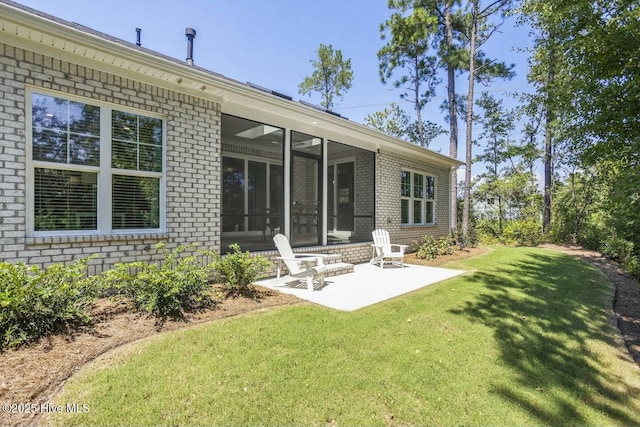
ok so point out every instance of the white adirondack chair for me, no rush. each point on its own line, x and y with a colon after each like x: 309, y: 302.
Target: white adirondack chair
x: 300, y: 266
x: 383, y: 249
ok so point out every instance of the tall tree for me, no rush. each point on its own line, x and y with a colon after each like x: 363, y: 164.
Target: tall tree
x: 549, y: 117
x: 450, y: 47
x: 473, y: 33
x: 408, y: 33
x: 498, y: 125
x: 531, y: 112
x: 544, y: 71
x: 480, y: 28
x: 603, y: 60
x: 331, y: 76
x: 450, y: 53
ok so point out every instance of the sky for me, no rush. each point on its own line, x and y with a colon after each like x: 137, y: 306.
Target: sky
x: 271, y: 43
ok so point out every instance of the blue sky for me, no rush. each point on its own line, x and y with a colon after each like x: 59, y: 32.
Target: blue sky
x: 270, y: 43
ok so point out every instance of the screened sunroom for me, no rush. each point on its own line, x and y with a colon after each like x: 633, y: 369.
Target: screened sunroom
x: 280, y: 180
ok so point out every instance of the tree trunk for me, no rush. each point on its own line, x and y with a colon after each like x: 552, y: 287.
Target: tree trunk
x: 469, y: 136
x: 497, y: 188
x: 574, y: 203
x: 500, y: 214
x: 453, y: 118
x: 417, y: 101
x: 548, y: 145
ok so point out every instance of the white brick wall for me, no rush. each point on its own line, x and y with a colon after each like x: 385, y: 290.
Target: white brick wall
x: 193, y: 162
x: 388, y: 172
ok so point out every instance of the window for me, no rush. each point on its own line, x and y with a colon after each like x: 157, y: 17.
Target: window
x: 74, y: 187
x: 417, y: 195
x: 136, y: 162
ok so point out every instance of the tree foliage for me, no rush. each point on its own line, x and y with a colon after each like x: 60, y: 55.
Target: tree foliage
x: 585, y: 66
x: 331, y: 76
x: 393, y: 121
x: 396, y: 122
x: 507, y: 189
x: 479, y: 28
x: 408, y: 33
x: 600, y: 51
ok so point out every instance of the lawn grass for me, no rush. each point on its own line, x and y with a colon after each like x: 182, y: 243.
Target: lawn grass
x: 524, y: 339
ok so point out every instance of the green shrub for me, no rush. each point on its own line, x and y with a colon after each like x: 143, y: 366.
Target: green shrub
x: 36, y: 302
x: 633, y: 267
x: 238, y: 270
x: 591, y: 238
x: 430, y: 247
x: 617, y: 249
x: 621, y: 250
x: 165, y: 289
x: 523, y: 232
x: 488, y: 231
x: 468, y: 240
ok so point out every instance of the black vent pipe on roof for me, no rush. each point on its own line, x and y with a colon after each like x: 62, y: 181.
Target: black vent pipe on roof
x: 191, y: 34
x: 138, y: 31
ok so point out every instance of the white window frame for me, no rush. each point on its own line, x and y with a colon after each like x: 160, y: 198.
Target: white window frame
x: 104, y: 171
x: 422, y: 200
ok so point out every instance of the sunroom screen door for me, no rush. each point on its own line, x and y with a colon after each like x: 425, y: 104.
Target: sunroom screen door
x: 306, y: 190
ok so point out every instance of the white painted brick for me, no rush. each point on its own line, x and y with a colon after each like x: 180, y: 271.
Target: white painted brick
x: 62, y: 258
x: 39, y: 260
x: 19, y: 68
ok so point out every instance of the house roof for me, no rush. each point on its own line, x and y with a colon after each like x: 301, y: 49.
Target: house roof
x: 34, y: 30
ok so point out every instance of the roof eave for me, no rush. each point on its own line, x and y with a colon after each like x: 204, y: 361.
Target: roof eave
x: 45, y: 34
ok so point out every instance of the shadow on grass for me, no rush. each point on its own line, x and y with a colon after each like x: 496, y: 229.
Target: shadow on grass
x: 546, y: 311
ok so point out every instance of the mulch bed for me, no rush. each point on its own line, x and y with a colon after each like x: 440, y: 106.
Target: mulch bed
x: 35, y: 373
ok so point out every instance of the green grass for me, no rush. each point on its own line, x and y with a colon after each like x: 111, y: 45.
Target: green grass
x: 523, y: 340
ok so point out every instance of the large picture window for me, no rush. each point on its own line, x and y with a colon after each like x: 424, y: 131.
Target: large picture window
x: 74, y: 187
x: 417, y: 197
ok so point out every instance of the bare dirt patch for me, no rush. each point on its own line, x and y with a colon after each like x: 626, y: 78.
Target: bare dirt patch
x: 34, y: 373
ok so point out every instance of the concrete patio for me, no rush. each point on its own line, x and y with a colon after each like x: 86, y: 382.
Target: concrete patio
x: 367, y: 285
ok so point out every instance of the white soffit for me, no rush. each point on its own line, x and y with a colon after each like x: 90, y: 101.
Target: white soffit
x: 55, y: 39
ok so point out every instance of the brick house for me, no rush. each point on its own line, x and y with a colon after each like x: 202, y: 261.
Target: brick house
x: 109, y: 148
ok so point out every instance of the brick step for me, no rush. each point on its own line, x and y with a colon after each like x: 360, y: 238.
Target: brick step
x: 331, y: 258
x: 337, y: 268
x: 333, y: 262
x: 327, y: 259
